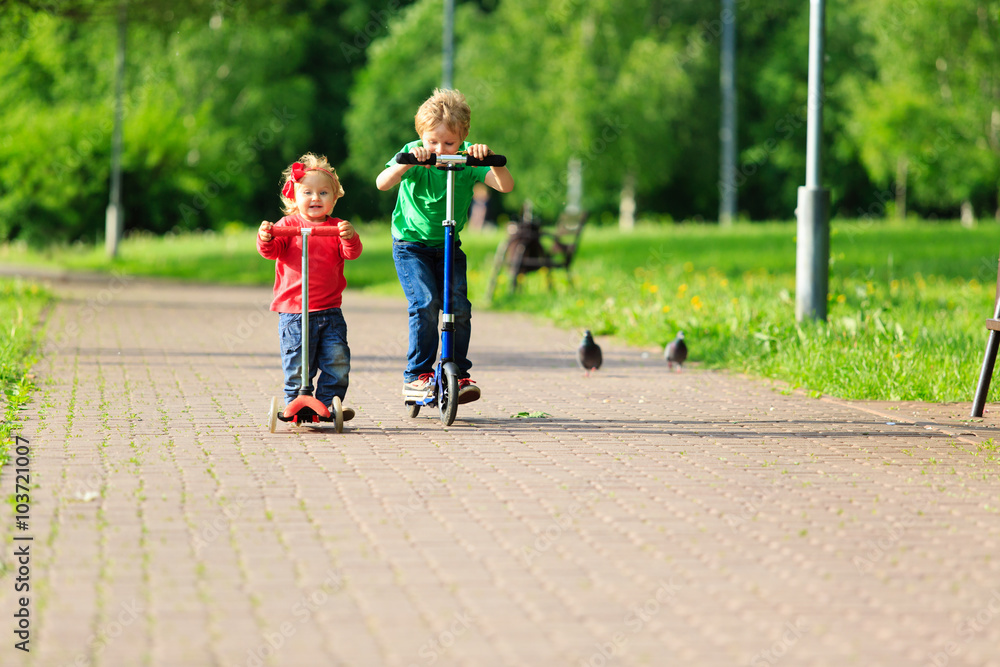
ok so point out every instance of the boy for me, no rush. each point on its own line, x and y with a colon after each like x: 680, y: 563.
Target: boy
x: 442, y: 123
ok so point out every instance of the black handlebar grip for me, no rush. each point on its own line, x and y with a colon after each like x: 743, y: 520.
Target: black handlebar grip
x: 410, y: 158
x: 488, y: 161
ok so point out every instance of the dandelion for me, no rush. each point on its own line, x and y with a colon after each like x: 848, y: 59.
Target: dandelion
x: 665, y: 309
x: 681, y: 289
x: 653, y: 289
x: 841, y: 298
x: 696, y: 302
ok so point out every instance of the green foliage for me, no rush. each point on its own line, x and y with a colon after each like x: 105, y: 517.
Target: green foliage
x: 931, y: 115
x: 221, y: 96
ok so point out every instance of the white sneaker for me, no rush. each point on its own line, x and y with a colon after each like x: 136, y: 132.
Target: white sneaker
x: 420, y: 388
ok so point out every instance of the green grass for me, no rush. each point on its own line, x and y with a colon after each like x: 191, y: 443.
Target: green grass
x: 21, y: 306
x: 906, y: 306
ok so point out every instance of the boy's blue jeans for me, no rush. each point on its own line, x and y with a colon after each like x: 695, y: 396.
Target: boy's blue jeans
x: 328, y: 353
x: 421, y: 273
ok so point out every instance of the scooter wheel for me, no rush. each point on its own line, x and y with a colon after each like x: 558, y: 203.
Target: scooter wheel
x: 412, y: 410
x: 272, y: 414
x: 449, y: 401
x: 338, y: 414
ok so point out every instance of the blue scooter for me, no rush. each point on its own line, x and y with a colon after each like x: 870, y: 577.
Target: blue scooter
x: 445, y: 394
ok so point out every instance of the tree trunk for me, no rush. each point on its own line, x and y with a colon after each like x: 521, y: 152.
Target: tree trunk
x: 626, y: 207
x: 902, y: 171
x: 968, y: 215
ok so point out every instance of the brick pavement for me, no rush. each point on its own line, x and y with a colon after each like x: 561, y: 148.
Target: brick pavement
x: 695, y: 518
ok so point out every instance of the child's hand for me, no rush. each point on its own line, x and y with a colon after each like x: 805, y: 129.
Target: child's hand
x: 264, y: 232
x: 422, y: 153
x: 479, y: 151
x: 347, y: 231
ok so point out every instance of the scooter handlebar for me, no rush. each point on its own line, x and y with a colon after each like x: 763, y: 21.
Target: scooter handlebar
x: 324, y: 230
x: 440, y: 160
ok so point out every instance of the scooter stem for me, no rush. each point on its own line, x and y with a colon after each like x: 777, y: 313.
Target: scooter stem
x: 304, y: 388
x: 447, y: 316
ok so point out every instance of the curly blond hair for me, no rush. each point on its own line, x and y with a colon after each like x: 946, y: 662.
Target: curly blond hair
x: 312, y: 162
x: 446, y: 106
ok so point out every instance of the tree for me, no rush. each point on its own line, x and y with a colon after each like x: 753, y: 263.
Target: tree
x: 930, y: 120
x: 596, y: 80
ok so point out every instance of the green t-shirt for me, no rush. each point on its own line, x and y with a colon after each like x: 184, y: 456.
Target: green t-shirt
x: 421, y: 205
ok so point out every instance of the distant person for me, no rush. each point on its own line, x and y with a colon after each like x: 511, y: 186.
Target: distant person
x: 480, y: 206
x: 311, y: 190
x: 442, y: 124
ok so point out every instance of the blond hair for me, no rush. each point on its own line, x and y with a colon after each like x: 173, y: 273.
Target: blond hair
x: 446, y: 106
x: 311, y: 162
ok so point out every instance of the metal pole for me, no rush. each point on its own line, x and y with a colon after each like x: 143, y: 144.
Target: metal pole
x: 114, y: 219
x: 448, y: 65
x: 305, y: 389
x: 812, y: 259
x: 727, y: 130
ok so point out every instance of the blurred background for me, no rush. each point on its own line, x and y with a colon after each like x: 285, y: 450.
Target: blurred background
x: 219, y: 96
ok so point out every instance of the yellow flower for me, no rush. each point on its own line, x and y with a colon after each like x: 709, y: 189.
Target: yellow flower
x: 653, y: 289
x: 724, y: 283
x: 841, y: 298
x: 683, y: 288
x: 696, y: 302
x: 666, y: 309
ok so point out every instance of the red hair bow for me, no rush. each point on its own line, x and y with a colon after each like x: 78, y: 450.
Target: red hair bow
x: 298, y: 171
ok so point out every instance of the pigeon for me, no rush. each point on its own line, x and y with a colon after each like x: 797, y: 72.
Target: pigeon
x: 676, y: 352
x: 588, y: 355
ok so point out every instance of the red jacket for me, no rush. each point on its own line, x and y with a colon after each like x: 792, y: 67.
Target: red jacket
x: 326, y: 266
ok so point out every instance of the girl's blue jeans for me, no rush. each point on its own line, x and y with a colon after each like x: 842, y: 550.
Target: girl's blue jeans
x: 328, y: 353
x: 421, y: 273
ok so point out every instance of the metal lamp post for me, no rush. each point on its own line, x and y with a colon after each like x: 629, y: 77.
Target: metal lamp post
x: 812, y: 259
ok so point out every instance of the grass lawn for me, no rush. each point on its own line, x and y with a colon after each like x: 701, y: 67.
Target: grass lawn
x: 906, y: 305
x: 21, y: 305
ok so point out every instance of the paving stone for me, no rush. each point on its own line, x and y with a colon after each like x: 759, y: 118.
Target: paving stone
x: 697, y: 518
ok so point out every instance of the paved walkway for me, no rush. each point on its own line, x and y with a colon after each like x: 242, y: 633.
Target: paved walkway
x: 695, y: 518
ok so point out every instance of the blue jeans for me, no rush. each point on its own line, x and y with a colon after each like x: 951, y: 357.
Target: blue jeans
x: 328, y: 352
x: 421, y: 273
